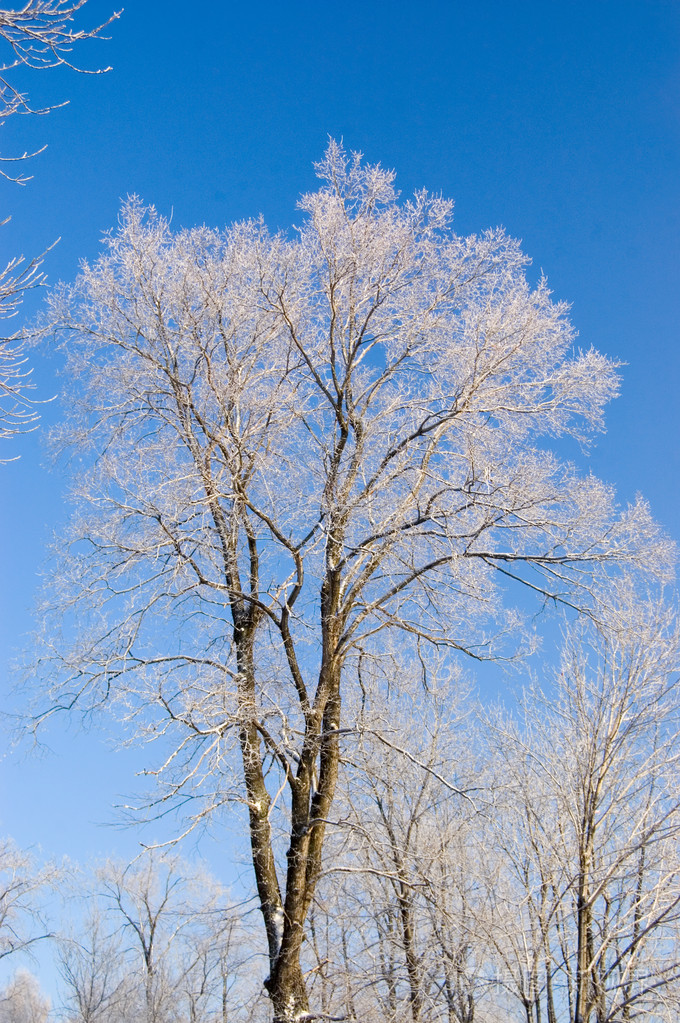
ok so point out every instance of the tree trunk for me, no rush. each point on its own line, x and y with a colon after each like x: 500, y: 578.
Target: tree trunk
x: 286, y: 989
x: 410, y: 954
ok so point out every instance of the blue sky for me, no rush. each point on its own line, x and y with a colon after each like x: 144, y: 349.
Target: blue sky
x: 559, y: 121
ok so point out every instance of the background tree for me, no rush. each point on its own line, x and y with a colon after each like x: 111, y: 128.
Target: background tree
x: 160, y: 943
x: 396, y: 915
x: 37, y: 36
x: 588, y: 904
x: 92, y: 964
x: 553, y: 893
x: 22, y: 883
x: 295, y: 449
x: 22, y: 1001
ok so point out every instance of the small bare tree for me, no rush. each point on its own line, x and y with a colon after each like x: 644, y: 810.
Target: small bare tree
x: 92, y: 964
x: 160, y: 943
x: 297, y: 448
x: 22, y: 1001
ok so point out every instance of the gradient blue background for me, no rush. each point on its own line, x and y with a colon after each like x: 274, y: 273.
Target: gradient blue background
x: 559, y: 121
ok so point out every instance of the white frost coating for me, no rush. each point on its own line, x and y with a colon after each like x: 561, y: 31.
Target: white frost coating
x: 278, y: 921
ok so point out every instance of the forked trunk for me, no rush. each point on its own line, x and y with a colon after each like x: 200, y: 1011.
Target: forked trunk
x: 285, y: 909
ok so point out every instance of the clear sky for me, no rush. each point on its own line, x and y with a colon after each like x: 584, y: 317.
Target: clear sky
x: 559, y: 121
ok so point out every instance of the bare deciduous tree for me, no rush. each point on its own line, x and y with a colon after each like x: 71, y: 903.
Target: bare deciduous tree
x: 22, y: 1001
x: 397, y: 904
x: 161, y: 944
x: 92, y: 965
x: 554, y: 895
x: 588, y: 901
x: 295, y: 449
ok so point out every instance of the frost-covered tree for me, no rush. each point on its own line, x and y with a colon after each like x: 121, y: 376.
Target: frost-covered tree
x: 22, y: 1001
x: 585, y: 873
x: 92, y: 964
x: 159, y: 943
x: 294, y: 453
x: 548, y: 889
x: 395, y: 928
